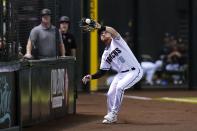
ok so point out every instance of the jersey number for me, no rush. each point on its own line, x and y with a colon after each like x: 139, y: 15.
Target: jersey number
x: 122, y: 60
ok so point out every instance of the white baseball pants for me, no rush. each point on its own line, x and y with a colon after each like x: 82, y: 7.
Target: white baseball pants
x: 120, y: 83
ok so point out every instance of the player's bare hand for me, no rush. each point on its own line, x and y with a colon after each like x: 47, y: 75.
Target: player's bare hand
x: 86, y: 79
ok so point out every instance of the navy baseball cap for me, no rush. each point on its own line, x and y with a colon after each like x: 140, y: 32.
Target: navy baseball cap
x: 45, y: 12
x: 64, y: 19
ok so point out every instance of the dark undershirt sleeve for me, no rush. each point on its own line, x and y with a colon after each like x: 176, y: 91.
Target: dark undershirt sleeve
x: 99, y: 74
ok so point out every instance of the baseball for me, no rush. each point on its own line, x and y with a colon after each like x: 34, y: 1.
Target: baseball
x: 88, y: 21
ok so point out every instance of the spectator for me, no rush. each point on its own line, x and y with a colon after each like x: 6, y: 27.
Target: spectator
x: 45, y: 40
x: 174, y: 64
x: 68, y: 38
x: 174, y: 58
x: 183, y: 49
x: 169, y: 43
x: 166, y: 48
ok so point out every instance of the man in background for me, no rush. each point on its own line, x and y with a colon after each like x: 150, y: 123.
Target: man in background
x: 45, y: 40
x: 68, y: 38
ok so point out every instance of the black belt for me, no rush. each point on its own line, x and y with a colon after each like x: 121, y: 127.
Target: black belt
x: 128, y: 70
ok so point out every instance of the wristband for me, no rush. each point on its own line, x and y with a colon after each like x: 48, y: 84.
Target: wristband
x: 103, y: 28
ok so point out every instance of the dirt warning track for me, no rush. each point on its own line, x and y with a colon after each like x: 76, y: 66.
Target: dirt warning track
x: 137, y: 113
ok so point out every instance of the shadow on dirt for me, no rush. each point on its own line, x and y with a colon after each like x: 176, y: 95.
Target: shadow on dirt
x: 68, y: 121
x: 137, y: 123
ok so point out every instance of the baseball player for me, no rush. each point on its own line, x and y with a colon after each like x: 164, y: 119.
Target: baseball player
x: 117, y: 56
x: 149, y: 69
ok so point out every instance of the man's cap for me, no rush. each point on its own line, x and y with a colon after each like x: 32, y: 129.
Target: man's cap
x: 64, y: 19
x: 45, y: 12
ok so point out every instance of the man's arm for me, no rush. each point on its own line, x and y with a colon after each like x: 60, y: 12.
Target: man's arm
x: 108, y: 29
x: 61, y: 44
x: 31, y: 43
x: 28, y: 49
x: 62, y: 49
x: 112, y: 31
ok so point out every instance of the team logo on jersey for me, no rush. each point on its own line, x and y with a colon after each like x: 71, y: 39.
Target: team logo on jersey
x: 112, y: 55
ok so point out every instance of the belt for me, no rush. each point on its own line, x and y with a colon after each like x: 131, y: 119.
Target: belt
x: 133, y: 68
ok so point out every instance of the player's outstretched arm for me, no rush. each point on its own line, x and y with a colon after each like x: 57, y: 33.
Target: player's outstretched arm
x: 108, y: 29
x: 112, y: 31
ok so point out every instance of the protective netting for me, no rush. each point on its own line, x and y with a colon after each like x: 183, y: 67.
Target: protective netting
x: 18, y: 17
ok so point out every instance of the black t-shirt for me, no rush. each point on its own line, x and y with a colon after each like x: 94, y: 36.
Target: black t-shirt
x: 69, y: 43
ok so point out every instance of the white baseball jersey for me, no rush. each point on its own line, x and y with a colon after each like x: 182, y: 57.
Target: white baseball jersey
x: 118, y: 56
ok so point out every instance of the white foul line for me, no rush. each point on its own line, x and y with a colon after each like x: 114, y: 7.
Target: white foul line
x: 131, y: 97
x: 137, y: 97
x: 163, y: 98
x: 180, y: 99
